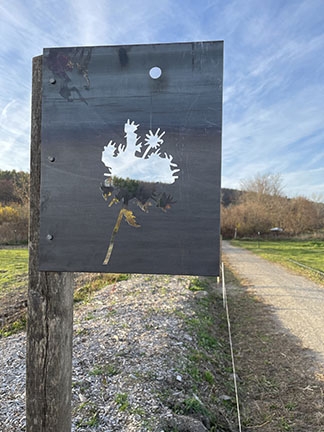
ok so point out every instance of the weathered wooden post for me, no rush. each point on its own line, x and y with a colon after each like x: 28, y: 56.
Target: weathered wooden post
x: 50, y: 310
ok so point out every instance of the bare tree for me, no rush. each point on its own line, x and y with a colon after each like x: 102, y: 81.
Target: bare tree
x: 263, y: 206
x: 261, y: 187
x: 302, y: 216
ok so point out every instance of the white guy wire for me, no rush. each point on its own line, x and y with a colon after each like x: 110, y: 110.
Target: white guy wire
x: 231, y: 347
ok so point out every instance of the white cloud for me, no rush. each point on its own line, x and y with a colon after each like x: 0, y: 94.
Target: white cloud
x: 273, y: 70
x: 15, y: 136
x: 275, y: 138
x: 305, y: 182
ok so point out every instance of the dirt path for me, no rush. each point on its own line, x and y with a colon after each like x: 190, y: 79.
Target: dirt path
x: 296, y: 301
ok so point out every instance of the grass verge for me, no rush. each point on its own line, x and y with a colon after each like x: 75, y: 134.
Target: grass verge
x: 14, y: 282
x: 13, y: 269
x: 308, y: 253
x: 87, y: 284
x: 209, y: 397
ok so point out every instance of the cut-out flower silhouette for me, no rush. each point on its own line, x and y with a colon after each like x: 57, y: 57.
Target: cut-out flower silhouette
x: 153, y: 141
x: 135, y: 172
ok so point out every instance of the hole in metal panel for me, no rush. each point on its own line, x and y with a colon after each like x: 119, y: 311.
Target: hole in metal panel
x: 155, y: 72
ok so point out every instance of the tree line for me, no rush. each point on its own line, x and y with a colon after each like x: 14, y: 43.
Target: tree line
x: 261, y: 205
x: 257, y: 207
x: 14, y: 206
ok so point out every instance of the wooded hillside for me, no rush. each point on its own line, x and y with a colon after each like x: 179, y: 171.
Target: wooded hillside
x: 261, y: 206
x: 14, y: 197
x: 258, y: 207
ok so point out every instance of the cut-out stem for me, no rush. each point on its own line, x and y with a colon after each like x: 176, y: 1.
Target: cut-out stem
x: 130, y: 219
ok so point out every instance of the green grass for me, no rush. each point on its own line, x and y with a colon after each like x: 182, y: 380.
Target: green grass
x: 105, y: 370
x: 198, y: 284
x: 84, y: 293
x: 90, y: 415
x: 13, y: 269
x: 309, y: 253
x: 14, y: 281
x: 191, y: 405
x: 13, y: 328
x: 121, y: 400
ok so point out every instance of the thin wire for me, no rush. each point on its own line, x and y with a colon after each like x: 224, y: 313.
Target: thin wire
x: 151, y: 112
x: 231, y: 348
x: 223, y: 286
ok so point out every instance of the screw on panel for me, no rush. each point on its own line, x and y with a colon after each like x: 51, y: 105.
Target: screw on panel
x: 52, y: 81
x: 49, y: 237
x: 51, y: 158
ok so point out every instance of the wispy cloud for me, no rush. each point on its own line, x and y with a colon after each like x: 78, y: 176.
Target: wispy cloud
x: 275, y: 138
x: 272, y: 103
x: 273, y: 78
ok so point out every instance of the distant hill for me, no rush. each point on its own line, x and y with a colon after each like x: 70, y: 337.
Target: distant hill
x: 14, y: 187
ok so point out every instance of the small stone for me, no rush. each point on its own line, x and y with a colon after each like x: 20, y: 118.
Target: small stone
x: 82, y: 398
x: 225, y: 397
x: 201, y: 294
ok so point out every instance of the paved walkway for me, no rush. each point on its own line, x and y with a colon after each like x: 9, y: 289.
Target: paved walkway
x: 297, y: 302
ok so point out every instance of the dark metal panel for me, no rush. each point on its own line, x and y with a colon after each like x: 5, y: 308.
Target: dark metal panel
x: 105, y: 119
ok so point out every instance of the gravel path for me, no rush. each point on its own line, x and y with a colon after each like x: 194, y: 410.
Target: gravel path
x: 297, y: 302
x: 132, y: 344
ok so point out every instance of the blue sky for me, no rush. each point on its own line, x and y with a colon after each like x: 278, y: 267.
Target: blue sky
x: 273, y: 112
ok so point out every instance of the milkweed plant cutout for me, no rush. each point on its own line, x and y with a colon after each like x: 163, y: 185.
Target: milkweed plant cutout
x: 134, y: 171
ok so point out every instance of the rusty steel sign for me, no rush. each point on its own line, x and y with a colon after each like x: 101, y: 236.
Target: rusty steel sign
x: 131, y: 158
